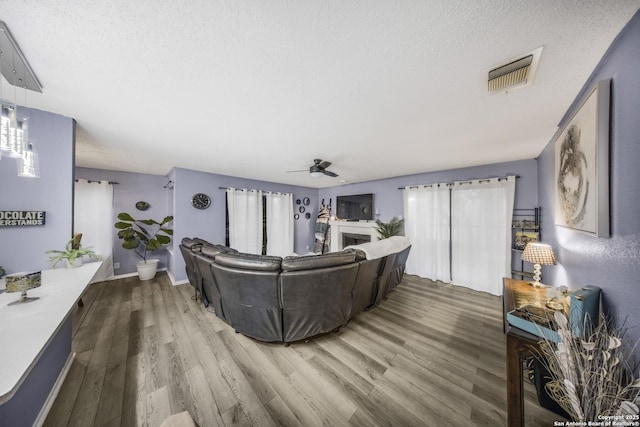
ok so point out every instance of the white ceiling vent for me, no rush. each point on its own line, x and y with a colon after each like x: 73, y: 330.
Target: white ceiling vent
x: 515, y: 73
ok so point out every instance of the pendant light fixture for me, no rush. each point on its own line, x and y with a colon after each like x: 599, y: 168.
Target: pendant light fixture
x: 14, y: 127
x: 29, y: 164
x: 19, y: 139
x: 5, y: 117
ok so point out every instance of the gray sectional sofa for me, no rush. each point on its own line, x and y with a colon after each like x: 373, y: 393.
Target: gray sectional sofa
x: 290, y: 299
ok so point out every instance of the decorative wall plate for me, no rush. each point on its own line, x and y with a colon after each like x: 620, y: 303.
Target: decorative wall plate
x: 307, y: 215
x: 297, y: 201
x: 306, y: 201
x: 296, y: 216
x: 142, y: 205
x: 301, y: 209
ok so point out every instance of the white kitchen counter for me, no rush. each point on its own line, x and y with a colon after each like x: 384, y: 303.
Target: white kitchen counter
x: 26, y: 329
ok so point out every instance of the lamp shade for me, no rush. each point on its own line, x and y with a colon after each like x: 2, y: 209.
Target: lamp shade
x: 538, y: 253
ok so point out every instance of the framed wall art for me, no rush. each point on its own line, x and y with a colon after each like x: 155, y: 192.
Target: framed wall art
x: 582, y: 166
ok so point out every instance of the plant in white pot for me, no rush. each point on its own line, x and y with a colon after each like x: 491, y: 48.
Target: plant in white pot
x: 143, y: 236
x: 389, y: 229
x: 72, y: 253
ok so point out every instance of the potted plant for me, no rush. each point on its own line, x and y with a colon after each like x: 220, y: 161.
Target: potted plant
x: 391, y: 228
x: 72, y: 253
x: 143, y: 236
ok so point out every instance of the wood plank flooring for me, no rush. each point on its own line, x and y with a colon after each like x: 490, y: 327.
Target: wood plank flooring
x: 430, y: 355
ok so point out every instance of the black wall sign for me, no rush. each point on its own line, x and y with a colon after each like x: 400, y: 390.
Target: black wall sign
x: 21, y: 218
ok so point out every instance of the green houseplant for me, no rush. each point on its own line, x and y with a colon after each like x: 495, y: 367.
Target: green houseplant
x: 72, y: 253
x: 391, y: 228
x: 143, y: 236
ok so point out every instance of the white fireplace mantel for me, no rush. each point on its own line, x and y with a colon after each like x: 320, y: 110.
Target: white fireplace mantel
x: 352, y: 227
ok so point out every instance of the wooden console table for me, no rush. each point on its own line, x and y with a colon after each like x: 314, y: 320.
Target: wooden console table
x: 520, y: 344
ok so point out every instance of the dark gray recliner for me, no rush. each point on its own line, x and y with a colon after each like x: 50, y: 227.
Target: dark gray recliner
x: 188, y: 247
x: 250, y: 301
x: 210, y: 292
x: 316, y: 293
x: 367, y: 282
x: 397, y: 270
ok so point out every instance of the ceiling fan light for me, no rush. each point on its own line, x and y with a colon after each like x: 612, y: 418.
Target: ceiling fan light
x: 316, y: 174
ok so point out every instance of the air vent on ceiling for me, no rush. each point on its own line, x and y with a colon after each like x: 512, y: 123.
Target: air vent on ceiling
x: 515, y: 73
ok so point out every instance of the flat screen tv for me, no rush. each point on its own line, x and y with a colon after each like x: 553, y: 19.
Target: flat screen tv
x: 357, y: 207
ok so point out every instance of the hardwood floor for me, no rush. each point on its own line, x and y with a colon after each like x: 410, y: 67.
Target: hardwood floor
x: 430, y: 355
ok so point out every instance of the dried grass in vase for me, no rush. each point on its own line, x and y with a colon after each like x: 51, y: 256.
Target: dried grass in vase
x: 590, y: 377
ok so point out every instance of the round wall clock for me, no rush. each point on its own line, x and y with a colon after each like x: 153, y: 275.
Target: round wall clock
x: 200, y: 201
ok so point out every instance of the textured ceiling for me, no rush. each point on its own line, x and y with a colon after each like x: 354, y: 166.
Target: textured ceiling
x: 255, y: 88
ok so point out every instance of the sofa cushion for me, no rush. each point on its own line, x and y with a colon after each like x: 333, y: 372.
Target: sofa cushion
x: 312, y: 262
x: 188, y: 242
x: 194, y: 244
x: 212, y: 250
x: 249, y: 261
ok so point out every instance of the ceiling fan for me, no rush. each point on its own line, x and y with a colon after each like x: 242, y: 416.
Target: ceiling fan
x: 319, y: 168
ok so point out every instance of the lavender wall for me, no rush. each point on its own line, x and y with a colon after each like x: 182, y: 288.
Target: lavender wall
x: 388, y: 200
x: 132, y: 188
x: 23, y: 248
x: 610, y: 263
x: 209, y: 224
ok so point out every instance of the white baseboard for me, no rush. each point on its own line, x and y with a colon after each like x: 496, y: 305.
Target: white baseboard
x: 121, y: 276
x: 44, y: 411
x: 173, y: 281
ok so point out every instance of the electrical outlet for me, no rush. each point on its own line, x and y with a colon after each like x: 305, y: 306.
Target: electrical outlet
x: 116, y: 265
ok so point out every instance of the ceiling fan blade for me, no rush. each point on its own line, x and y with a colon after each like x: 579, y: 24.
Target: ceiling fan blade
x: 329, y: 173
x: 324, y: 165
x: 302, y: 170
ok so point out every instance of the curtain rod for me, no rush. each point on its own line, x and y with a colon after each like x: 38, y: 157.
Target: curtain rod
x: 468, y: 181
x: 98, y: 181
x: 253, y: 189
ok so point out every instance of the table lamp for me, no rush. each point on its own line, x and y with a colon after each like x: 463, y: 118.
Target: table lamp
x: 538, y: 254
x: 22, y: 282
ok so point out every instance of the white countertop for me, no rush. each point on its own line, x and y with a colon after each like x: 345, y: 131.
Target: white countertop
x: 26, y: 329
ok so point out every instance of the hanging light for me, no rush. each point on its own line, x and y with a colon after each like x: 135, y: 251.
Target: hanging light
x: 28, y: 164
x: 18, y: 127
x: 4, y: 128
x: 5, y: 117
x: 18, y: 137
x: 14, y: 127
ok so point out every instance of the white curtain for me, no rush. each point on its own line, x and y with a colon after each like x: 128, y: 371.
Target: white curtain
x: 427, y: 225
x: 279, y: 224
x: 481, y: 233
x: 245, y: 220
x: 93, y: 217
